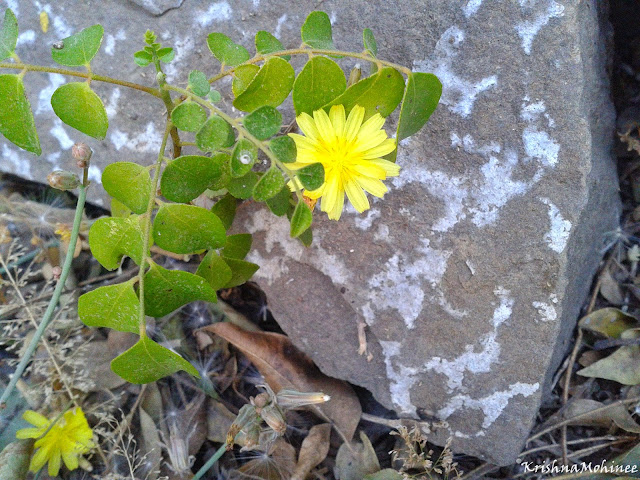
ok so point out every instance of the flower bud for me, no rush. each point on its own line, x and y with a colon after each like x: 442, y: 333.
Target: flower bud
x: 261, y: 400
x: 249, y: 437
x: 354, y: 75
x: 273, y: 416
x: 161, y: 78
x: 294, y: 399
x: 81, y: 152
x: 62, y: 180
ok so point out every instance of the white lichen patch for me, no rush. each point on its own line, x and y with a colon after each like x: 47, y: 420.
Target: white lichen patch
x: 112, y: 104
x: 473, y: 361
x: 401, y: 379
x: 94, y: 174
x: 147, y: 141
x: 471, y: 7
x: 217, y: 12
x: 53, y: 158
x: 364, y: 223
x: 491, y: 406
x: 538, y: 144
x: 281, y: 22
x: 528, y: 29
x: 458, y: 93
x: 546, y: 310
x: 559, y: 228
x: 44, y: 97
x: 12, y: 161
x: 277, y: 242
x: 59, y: 133
x: 182, y: 46
x: 110, y: 41
x: 400, y: 285
x: 27, y: 37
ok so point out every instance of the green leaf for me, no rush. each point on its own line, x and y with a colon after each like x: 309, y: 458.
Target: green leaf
x: 198, y: 83
x: 112, y: 238
x: 147, y: 362
x: 312, y: 176
x: 223, y: 181
x: 269, y: 185
x: 186, y: 177
x: 15, y: 458
x: 214, y: 96
x: 386, y: 474
x: 242, y: 77
x: 16, y: 118
x: 187, y: 229
x: 166, y: 54
x: 271, y: 86
x: 263, y: 122
x: 119, y: 209
x: 215, y: 133
x: 78, y: 50
x: 301, y: 219
x: 225, y: 210
x: 306, y: 237
x: 420, y: 100
x: 8, y: 34
x: 316, y: 31
x: 241, y: 271
x: 188, y: 116
x: 267, y: 43
x: 609, y: 322
x: 167, y: 290
x: 320, y: 81
x: 242, y: 187
x: 142, y: 58
x: 243, y: 157
x: 214, y: 270
x: 380, y: 93
x: 79, y: 107
x: 622, y: 366
x: 279, y: 205
x: 129, y: 183
x: 284, y: 148
x: 111, y: 306
x: 237, y: 246
x: 369, y: 41
x: 227, y: 52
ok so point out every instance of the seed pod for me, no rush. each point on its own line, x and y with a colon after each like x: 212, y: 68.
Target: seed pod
x: 354, y: 75
x: 293, y: 399
x: 273, y: 416
x: 62, y: 180
x: 261, y: 400
x: 81, y: 152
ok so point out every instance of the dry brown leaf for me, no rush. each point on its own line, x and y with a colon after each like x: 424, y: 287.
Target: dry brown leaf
x: 313, y: 451
x: 610, y: 289
x: 96, y: 356
x: 355, y: 461
x: 284, y: 366
x: 618, y: 415
x: 277, y: 465
x: 219, y: 420
x: 150, y: 445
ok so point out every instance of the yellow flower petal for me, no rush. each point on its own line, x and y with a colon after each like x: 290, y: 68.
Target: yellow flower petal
x: 30, y: 433
x: 372, y: 185
x: 390, y: 168
x: 356, y: 196
x: 303, y: 142
x: 380, y: 151
x: 375, y: 123
x: 324, y: 126
x: 39, y: 459
x: 308, y: 126
x: 370, y: 170
x: 353, y: 123
x: 338, y: 120
x: 70, y: 460
x: 34, y: 418
x: 54, y: 463
x: 370, y: 142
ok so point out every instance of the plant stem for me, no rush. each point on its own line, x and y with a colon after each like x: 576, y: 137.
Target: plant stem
x: 146, y: 229
x: 307, y: 51
x: 211, y: 462
x: 48, y: 314
x: 240, y: 128
x: 99, y: 78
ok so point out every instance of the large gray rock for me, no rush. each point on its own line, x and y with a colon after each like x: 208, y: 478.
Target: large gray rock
x: 470, y: 273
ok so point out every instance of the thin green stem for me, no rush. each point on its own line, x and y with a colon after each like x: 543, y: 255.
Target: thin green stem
x: 211, y: 462
x: 53, y: 303
x: 99, y: 78
x: 240, y: 128
x: 146, y: 229
x: 311, y: 51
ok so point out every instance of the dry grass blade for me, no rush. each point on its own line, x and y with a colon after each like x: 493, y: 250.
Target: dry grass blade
x: 284, y: 366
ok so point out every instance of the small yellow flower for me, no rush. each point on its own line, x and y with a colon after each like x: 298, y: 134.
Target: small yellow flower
x: 67, y: 439
x: 350, y: 152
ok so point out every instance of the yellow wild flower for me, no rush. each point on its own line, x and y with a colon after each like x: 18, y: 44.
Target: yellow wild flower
x: 66, y: 439
x: 350, y: 152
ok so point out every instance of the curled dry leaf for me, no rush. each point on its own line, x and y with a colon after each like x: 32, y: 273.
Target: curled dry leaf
x: 150, y: 444
x: 355, y: 461
x: 313, y: 451
x: 622, y: 366
x: 284, y: 366
x: 580, y: 407
x: 610, y: 289
x: 219, y: 420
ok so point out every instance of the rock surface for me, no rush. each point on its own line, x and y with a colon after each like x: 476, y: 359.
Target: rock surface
x: 470, y: 273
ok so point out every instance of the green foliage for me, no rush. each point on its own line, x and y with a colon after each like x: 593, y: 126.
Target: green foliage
x: 8, y: 34
x: 369, y: 41
x: 225, y: 210
x: 420, y: 100
x: 280, y: 203
x: 312, y: 176
x: 153, y: 52
x: 187, y: 229
x: 198, y: 83
x: 112, y: 238
x: 189, y: 116
x: 79, y: 107
x: 147, y: 362
x: 269, y: 185
x: 301, y: 219
x: 216, y: 133
x: 270, y: 86
x: 226, y: 51
x: 111, y: 306
x: 243, y: 157
x: 284, y: 148
x: 168, y: 290
x: 79, y: 49
x: 320, y: 81
x: 186, y: 177
x: 263, y: 123
x: 316, y: 31
x: 214, y: 270
x: 242, y: 187
x: 237, y: 246
x: 267, y: 43
x: 241, y: 271
x: 129, y: 183
x: 16, y: 118
x: 242, y: 78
